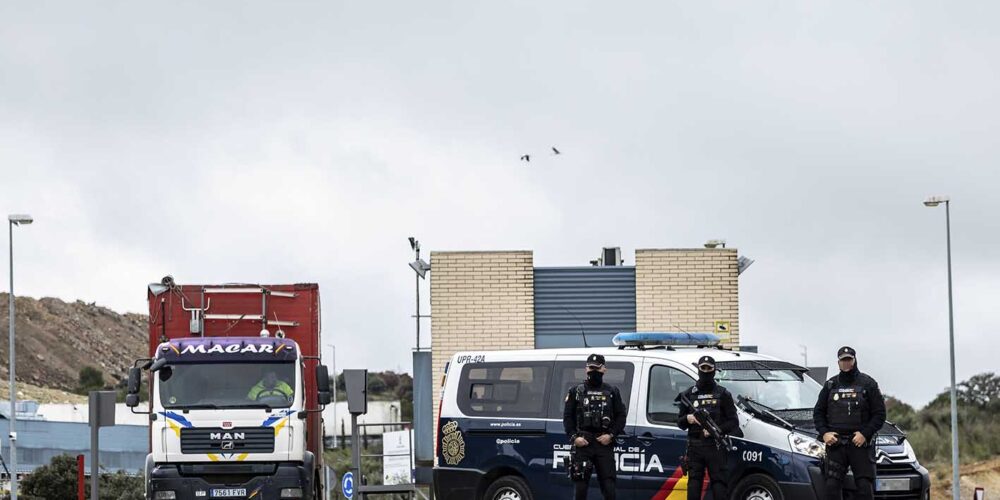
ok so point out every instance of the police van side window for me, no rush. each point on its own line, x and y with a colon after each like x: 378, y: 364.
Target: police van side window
x: 569, y: 374
x: 665, y: 383
x: 504, y: 389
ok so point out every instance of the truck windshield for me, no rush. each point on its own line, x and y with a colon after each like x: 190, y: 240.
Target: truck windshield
x: 227, y: 385
x: 777, y: 389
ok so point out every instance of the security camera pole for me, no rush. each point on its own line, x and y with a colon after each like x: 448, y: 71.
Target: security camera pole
x: 421, y: 268
x: 956, y: 492
x: 13, y: 220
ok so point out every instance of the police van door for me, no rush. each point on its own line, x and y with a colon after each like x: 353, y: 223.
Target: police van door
x: 569, y: 372
x: 661, y: 442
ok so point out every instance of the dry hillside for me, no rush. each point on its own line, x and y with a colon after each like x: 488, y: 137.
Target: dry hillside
x: 56, y: 339
x: 985, y: 475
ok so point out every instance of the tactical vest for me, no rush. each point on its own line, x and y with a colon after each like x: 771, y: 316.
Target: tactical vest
x: 710, y: 401
x: 593, y: 408
x: 847, y: 406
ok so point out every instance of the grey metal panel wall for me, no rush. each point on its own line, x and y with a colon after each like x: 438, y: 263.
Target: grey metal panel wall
x: 601, y: 299
x: 123, y: 447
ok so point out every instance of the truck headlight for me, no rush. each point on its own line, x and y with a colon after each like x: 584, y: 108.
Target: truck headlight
x: 165, y: 495
x: 291, y: 492
x: 806, y: 445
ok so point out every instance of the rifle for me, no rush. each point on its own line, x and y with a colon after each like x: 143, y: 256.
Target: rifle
x: 722, y: 441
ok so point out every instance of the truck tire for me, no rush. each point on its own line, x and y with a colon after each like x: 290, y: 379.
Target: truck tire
x: 756, y: 487
x: 508, y: 488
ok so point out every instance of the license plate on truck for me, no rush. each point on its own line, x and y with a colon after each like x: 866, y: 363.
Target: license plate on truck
x: 893, y: 484
x: 229, y: 492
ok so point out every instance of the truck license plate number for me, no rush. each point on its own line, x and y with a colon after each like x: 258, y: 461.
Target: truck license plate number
x: 893, y: 484
x: 229, y: 492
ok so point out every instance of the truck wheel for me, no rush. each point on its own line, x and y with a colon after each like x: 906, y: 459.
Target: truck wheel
x: 757, y: 487
x: 508, y: 488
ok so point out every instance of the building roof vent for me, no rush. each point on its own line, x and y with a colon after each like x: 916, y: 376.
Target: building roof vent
x: 610, y: 256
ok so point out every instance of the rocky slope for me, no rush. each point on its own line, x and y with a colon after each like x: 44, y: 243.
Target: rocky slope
x: 55, y: 339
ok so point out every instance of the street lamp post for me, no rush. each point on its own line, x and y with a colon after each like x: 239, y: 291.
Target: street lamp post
x: 333, y: 362
x: 933, y: 202
x: 13, y: 220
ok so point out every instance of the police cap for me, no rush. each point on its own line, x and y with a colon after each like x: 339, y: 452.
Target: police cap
x: 706, y: 361
x: 595, y: 360
x: 846, y: 352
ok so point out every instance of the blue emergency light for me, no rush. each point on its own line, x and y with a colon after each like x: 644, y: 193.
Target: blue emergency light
x: 645, y: 339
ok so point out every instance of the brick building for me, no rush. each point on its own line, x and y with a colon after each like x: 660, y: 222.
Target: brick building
x: 498, y: 300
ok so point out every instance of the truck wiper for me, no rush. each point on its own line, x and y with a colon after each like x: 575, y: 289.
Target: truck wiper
x: 199, y: 406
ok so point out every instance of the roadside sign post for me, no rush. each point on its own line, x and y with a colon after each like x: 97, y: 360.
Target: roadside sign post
x: 102, y: 414
x: 356, y: 383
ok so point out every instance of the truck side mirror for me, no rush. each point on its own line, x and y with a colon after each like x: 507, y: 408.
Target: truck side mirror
x: 323, y: 385
x: 132, y: 400
x: 134, y: 380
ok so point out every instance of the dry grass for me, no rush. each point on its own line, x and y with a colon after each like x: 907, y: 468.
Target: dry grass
x: 984, y: 474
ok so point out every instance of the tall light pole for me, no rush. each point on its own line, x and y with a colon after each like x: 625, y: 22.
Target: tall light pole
x: 421, y: 268
x: 13, y: 220
x: 934, y: 201
x: 333, y: 362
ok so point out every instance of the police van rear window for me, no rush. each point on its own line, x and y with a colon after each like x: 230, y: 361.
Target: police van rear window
x: 510, y: 389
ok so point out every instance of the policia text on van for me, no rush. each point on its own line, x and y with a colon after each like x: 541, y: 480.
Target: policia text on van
x: 501, y: 436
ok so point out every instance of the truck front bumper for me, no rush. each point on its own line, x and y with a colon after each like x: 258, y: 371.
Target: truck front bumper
x: 230, y: 481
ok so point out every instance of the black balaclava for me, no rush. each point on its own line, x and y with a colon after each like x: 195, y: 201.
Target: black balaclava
x: 706, y: 380
x: 595, y: 378
x: 850, y: 375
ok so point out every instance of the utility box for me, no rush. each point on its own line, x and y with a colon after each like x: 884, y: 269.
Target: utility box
x: 356, y: 384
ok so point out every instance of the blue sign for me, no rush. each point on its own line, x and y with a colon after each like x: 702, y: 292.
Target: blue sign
x: 347, y: 484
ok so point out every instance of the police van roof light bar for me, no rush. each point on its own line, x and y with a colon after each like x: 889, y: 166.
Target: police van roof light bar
x: 643, y: 340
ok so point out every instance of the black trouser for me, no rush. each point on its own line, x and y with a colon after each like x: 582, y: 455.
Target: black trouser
x: 861, y: 462
x: 603, y: 458
x: 702, y: 454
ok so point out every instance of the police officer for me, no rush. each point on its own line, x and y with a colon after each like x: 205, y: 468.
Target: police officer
x: 848, y: 413
x: 702, y: 451
x: 593, y: 415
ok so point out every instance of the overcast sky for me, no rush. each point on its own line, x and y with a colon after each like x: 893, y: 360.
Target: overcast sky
x: 304, y: 141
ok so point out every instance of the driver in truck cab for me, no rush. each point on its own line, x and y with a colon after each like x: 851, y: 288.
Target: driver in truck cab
x: 270, y: 387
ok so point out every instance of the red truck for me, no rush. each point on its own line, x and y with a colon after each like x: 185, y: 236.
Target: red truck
x: 236, y: 391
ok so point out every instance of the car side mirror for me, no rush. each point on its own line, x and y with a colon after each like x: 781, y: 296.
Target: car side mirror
x: 323, y: 385
x: 134, y: 380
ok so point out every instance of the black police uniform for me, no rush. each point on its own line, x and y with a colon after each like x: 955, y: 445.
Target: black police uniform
x: 702, y: 452
x: 590, y: 411
x: 850, y: 402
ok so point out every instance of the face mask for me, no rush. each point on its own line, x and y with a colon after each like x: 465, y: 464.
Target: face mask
x: 595, y: 378
x: 706, y: 377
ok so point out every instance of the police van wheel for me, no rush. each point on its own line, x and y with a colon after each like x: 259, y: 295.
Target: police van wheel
x: 757, y: 487
x: 508, y: 488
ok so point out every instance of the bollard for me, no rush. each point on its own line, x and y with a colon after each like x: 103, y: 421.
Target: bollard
x: 980, y: 494
x: 81, y: 480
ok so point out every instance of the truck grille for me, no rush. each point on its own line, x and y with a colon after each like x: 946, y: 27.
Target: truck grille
x: 238, y: 440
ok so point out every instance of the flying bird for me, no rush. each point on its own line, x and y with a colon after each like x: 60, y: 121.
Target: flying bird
x: 526, y: 158
x: 555, y: 151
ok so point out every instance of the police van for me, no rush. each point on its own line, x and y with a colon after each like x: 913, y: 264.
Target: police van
x: 500, y: 434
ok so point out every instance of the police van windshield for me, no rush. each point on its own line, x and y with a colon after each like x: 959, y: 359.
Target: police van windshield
x: 780, y: 389
x: 227, y: 385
